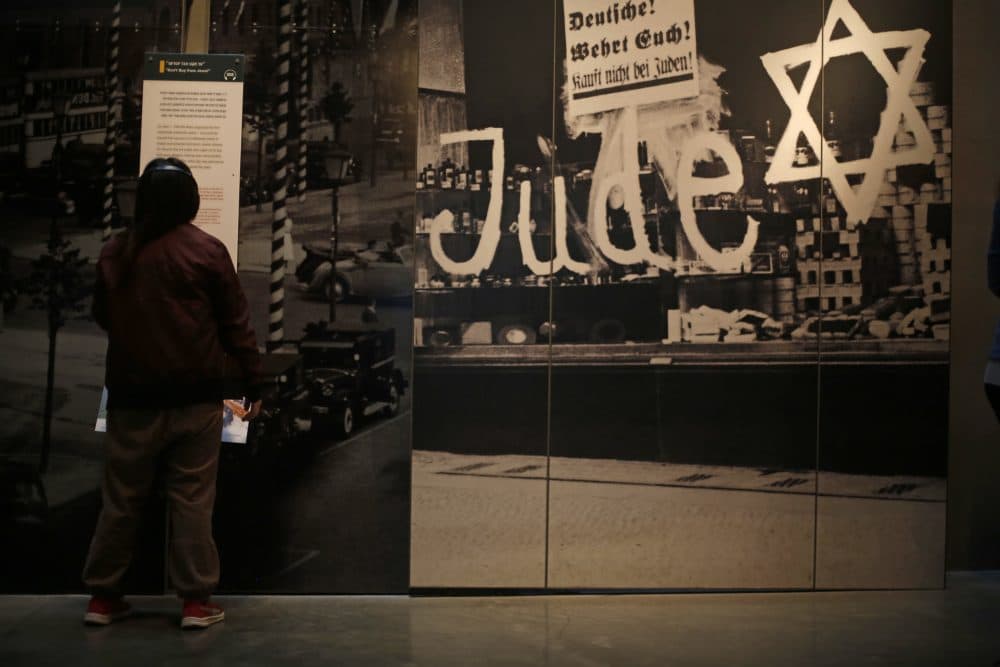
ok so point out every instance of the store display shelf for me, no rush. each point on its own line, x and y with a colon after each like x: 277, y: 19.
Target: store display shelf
x: 662, y: 355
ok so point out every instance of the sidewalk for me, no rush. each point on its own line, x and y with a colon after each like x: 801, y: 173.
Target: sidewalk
x: 74, y: 466
x: 79, y: 377
x: 27, y: 238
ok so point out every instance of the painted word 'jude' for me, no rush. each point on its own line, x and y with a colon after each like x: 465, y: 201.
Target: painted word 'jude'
x: 617, y: 165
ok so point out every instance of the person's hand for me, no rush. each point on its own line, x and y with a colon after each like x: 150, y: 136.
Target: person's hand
x: 253, y: 412
x: 236, y: 407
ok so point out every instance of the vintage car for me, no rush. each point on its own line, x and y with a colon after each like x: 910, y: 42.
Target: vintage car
x: 316, y: 176
x: 375, y: 271
x: 350, y: 375
x: 286, y: 412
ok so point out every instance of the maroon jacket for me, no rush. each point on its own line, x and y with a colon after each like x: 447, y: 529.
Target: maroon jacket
x: 177, y: 319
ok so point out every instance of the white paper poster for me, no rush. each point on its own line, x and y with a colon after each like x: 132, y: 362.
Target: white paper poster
x: 629, y: 53
x: 192, y: 109
x: 235, y: 429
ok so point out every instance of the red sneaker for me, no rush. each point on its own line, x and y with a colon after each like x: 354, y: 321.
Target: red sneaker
x: 200, y: 614
x: 103, y: 611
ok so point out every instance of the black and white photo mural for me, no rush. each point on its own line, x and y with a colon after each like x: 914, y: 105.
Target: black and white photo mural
x: 682, y: 295
x: 317, y: 500
x: 70, y: 117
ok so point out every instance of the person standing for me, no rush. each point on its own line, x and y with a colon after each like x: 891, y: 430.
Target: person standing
x: 176, y: 316
x: 992, y: 379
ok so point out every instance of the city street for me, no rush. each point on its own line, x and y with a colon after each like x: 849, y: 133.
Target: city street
x: 341, y: 507
x: 480, y: 522
x: 332, y: 518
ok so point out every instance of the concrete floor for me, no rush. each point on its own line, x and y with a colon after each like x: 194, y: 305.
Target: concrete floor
x: 956, y: 627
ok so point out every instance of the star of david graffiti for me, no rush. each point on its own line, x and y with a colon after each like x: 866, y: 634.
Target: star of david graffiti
x: 859, y: 204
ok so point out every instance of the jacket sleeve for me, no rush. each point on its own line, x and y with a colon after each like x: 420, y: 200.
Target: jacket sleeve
x: 232, y: 314
x: 993, y: 255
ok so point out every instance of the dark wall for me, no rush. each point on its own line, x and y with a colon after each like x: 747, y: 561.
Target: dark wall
x: 973, y: 530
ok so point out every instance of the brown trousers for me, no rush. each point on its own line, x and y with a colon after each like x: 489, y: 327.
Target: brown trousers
x: 185, y: 442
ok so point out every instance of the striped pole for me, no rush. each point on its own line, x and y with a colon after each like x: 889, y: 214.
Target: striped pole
x: 111, y: 134
x: 279, y: 222
x: 303, y: 94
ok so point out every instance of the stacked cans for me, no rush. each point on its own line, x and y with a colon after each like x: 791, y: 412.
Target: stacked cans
x: 938, y: 119
x: 902, y: 231
x: 932, y: 238
x: 829, y: 264
x: 904, y: 197
x: 784, y: 299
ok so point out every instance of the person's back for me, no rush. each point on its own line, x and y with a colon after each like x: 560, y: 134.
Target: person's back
x: 156, y: 306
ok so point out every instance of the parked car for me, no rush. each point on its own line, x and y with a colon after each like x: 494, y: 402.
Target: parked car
x: 286, y: 413
x: 350, y: 375
x: 377, y: 271
x: 316, y: 176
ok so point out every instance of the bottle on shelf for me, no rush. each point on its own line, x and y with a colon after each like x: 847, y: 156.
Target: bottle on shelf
x: 831, y: 132
x: 769, y: 147
x: 773, y: 199
x: 447, y: 175
x: 430, y: 177
x: 804, y: 154
x: 462, y: 179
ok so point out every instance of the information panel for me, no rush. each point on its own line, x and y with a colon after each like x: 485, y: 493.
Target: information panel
x: 192, y: 109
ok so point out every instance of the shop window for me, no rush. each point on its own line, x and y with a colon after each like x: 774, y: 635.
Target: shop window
x: 10, y: 135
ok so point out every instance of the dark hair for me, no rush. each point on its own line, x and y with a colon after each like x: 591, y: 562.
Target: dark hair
x: 166, y: 197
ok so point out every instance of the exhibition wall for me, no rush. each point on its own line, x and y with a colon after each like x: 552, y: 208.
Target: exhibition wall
x: 671, y: 312
x: 630, y: 375
x: 301, y: 508
x: 974, y: 458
